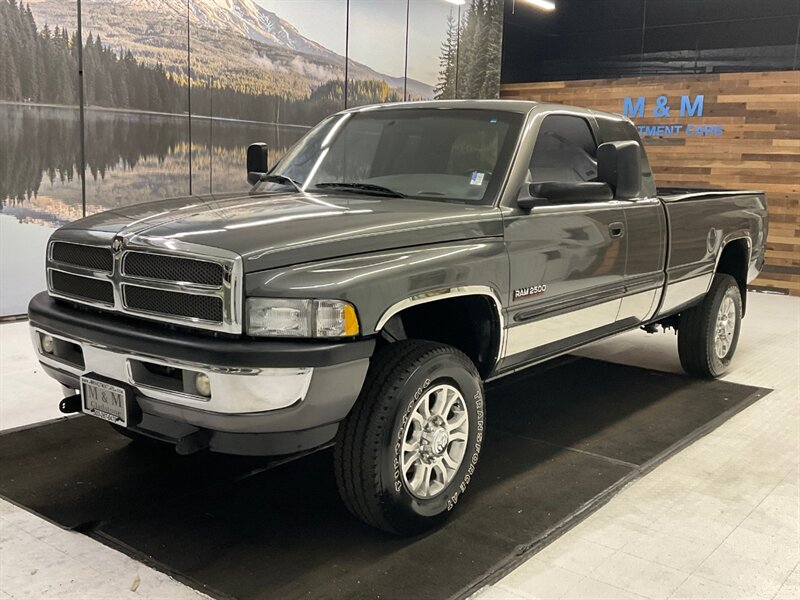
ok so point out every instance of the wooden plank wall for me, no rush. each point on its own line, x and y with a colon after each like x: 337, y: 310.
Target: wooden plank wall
x: 760, y: 148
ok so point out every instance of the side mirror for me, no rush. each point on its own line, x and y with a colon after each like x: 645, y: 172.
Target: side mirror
x: 556, y: 192
x: 619, y: 164
x: 257, y: 162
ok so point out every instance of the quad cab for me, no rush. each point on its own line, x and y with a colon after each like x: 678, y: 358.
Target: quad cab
x: 394, y: 260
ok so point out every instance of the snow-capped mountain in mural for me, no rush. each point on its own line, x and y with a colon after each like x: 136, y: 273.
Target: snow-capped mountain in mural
x: 244, y: 17
x: 238, y: 42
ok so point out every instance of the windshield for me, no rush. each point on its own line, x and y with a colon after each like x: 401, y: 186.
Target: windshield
x: 436, y: 154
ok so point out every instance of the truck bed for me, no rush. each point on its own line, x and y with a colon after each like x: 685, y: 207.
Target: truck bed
x: 700, y: 224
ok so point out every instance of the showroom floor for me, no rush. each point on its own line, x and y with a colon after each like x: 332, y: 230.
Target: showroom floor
x: 719, y: 520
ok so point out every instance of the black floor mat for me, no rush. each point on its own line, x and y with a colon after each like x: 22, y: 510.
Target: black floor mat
x: 559, y: 439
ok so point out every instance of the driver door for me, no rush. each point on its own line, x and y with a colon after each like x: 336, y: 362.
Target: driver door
x: 567, y: 260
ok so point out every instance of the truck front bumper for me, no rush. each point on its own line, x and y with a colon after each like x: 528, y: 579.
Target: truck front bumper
x: 266, y: 397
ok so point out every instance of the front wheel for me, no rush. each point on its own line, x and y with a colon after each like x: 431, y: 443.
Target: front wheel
x: 408, y: 450
x: 708, y: 333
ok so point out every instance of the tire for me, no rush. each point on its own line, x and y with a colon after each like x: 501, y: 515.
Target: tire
x: 708, y: 333
x: 392, y: 472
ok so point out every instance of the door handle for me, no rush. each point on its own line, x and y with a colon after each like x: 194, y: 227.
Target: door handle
x: 616, y: 230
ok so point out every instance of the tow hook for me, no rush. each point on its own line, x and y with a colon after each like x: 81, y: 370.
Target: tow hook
x: 70, y: 404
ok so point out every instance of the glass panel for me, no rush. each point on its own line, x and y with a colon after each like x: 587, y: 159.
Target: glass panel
x: 479, y: 49
x: 39, y: 131
x: 457, y: 43
x: 261, y: 72
x: 137, y: 127
x: 431, y: 50
x: 377, y: 51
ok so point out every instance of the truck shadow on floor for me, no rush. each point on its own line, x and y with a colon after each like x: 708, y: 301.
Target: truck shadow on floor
x: 557, y: 438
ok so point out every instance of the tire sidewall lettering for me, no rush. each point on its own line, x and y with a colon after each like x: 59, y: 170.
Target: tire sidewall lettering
x: 462, y: 486
x: 471, y: 389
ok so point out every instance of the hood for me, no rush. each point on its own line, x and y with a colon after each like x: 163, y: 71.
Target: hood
x: 275, y: 230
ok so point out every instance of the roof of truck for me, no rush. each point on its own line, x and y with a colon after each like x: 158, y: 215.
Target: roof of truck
x: 515, y: 106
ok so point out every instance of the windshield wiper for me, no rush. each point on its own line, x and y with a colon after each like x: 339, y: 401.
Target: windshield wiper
x: 361, y: 188
x: 282, y: 179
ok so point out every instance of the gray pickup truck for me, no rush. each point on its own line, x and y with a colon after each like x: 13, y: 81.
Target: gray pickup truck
x: 395, y: 259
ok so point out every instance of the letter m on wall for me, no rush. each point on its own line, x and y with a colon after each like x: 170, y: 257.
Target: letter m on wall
x: 634, y: 110
x: 692, y: 109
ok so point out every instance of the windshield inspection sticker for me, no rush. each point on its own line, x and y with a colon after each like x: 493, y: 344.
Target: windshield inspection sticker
x: 476, y: 178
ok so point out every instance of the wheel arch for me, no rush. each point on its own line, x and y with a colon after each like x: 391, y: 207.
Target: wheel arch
x: 440, y: 316
x: 734, y: 260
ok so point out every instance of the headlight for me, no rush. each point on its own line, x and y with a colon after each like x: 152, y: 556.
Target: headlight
x: 301, y: 318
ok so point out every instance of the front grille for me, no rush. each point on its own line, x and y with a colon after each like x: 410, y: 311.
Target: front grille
x: 90, y: 257
x: 82, y: 288
x: 173, y: 268
x: 206, y: 308
x: 202, y: 290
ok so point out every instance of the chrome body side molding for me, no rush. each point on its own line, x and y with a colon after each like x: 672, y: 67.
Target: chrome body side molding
x: 547, y: 330
x: 681, y: 293
x: 640, y: 306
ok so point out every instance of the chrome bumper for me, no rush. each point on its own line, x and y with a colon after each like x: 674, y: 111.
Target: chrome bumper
x: 234, y: 391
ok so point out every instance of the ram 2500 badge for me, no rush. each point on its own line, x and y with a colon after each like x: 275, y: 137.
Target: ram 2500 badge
x: 363, y: 291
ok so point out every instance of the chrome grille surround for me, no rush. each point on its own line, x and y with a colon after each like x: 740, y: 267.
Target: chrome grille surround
x: 229, y: 292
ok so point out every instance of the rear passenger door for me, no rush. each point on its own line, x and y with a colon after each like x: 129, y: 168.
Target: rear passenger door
x: 567, y: 261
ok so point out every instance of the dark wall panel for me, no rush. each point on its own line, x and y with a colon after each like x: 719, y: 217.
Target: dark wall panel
x: 585, y: 39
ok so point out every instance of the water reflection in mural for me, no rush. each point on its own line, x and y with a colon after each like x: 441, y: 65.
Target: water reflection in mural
x: 130, y: 158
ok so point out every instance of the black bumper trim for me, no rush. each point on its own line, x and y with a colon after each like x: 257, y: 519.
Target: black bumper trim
x: 149, y: 339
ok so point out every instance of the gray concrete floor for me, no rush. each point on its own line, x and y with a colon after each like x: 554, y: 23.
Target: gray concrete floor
x: 719, y: 520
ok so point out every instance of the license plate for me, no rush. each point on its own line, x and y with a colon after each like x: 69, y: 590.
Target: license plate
x: 104, y: 401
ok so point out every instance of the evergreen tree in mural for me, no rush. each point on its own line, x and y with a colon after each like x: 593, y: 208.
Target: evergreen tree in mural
x: 470, y: 57
x: 35, y: 65
x: 445, y: 88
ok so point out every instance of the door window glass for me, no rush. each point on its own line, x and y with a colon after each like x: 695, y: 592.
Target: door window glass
x: 565, y: 151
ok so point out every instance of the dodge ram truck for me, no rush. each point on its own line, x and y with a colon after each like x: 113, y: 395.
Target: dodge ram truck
x: 390, y: 263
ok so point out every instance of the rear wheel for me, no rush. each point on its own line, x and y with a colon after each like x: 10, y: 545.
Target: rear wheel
x: 408, y: 449
x: 709, y: 332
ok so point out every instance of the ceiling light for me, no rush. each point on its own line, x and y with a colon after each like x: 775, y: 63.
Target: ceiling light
x: 543, y: 4
x: 456, y: 1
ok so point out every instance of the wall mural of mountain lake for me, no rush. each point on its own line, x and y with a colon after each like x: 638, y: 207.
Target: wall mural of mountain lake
x: 261, y: 70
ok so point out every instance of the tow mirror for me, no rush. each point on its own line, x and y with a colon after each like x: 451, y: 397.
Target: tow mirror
x: 619, y: 164
x: 570, y: 192
x: 257, y: 162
